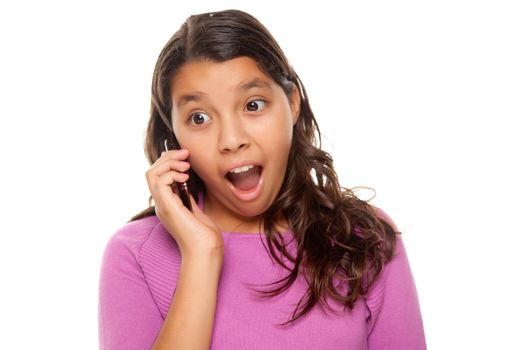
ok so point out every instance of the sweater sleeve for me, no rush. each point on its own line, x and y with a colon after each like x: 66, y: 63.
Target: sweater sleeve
x: 128, y: 315
x: 395, y: 318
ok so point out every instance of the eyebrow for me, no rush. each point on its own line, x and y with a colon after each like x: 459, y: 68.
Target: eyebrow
x: 254, y: 83
x: 197, y: 95
x: 187, y: 98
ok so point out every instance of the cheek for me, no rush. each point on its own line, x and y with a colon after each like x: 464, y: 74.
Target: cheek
x: 276, y: 129
x: 278, y: 147
x: 200, y: 157
x: 201, y: 163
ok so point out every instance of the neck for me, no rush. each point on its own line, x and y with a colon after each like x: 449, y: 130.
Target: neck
x: 232, y: 222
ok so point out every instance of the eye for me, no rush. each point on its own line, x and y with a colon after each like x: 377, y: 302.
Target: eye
x: 199, y: 118
x: 255, y: 105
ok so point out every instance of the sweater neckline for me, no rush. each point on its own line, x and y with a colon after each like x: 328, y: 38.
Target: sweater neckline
x: 200, y: 203
x: 251, y: 235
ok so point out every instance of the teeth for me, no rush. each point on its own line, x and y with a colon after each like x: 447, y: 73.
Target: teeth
x: 241, y: 169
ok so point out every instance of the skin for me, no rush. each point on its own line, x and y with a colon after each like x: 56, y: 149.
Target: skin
x: 226, y: 124
x: 253, y: 124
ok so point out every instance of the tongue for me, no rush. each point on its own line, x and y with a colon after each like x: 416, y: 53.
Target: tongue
x: 246, y: 180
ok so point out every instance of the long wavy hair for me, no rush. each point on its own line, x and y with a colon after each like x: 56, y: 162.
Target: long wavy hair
x: 340, y: 238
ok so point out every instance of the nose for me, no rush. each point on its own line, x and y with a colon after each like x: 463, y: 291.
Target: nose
x: 233, y: 135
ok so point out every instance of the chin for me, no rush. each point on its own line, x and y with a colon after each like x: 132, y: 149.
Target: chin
x: 250, y: 212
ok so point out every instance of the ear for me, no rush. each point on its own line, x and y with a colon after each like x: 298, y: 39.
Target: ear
x: 295, y: 104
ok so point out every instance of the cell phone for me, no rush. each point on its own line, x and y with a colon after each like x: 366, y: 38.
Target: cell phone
x: 184, y: 192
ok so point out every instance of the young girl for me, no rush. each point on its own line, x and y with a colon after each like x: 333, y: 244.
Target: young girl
x: 266, y: 210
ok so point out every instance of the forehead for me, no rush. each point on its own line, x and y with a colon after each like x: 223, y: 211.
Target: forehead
x: 228, y: 75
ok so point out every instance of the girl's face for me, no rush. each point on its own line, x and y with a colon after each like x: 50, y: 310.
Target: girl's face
x: 237, y: 124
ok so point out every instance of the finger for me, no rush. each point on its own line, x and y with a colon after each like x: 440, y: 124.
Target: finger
x: 200, y: 215
x: 194, y: 205
x: 178, y: 154
x: 175, y: 154
x: 168, y: 165
x: 165, y: 184
x: 169, y: 178
x: 196, y: 210
x: 154, y: 173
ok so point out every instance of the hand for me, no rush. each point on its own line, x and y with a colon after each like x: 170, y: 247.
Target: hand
x: 194, y: 232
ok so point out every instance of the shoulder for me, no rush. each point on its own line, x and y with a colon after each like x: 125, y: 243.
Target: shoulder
x: 395, y: 282
x: 395, y: 320
x: 145, y: 250
x: 141, y: 244
x: 132, y: 235
x: 399, y: 257
x: 382, y: 215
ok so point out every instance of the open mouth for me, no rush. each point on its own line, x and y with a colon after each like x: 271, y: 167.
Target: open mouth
x: 245, y: 178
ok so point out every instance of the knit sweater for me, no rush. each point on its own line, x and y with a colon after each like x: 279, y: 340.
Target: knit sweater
x: 139, y: 274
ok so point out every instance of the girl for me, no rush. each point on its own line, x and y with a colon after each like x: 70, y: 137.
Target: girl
x: 266, y: 209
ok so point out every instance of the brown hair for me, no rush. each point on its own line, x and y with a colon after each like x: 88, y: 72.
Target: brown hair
x: 339, y: 236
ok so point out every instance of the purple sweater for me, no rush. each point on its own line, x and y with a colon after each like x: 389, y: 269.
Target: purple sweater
x: 139, y: 275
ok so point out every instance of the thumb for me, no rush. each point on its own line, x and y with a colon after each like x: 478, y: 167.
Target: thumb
x: 196, y: 210
x: 194, y: 207
x: 199, y: 214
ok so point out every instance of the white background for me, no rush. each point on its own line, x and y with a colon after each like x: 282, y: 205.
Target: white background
x: 421, y: 101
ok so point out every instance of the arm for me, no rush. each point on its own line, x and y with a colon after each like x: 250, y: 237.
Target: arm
x: 128, y: 316
x: 189, y: 322
x: 395, y: 322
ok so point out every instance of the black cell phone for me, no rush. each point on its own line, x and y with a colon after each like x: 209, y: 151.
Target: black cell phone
x: 184, y: 192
